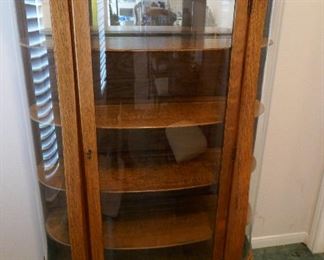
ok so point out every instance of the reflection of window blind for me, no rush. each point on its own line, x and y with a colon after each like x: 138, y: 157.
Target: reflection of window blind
x: 42, y: 86
x: 102, y: 43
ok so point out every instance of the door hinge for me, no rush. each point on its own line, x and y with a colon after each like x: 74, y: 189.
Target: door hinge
x: 250, y: 7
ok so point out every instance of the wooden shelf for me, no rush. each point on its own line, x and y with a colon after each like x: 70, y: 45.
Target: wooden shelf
x: 266, y: 42
x: 55, y: 181
x: 168, y: 44
x: 57, y: 226
x: 249, y: 215
x: 146, y: 226
x: 261, y: 109
x: 156, y: 115
x: 249, y: 255
x: 148, y: 176
x: 164, y: 44
x: 160, y: 115
x: 157, y: 229
x: 254, y: 164
x: 158, y: 41
x: 152, y: 177
x: 159, y: 44
x: 197, y: 251
x: 166, y: 30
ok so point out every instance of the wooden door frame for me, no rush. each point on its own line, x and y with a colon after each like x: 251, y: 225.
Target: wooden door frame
x: 64, y: 65
x: 80, y: 18
x: 238, y: 207
x: 236, y: 71
x: 238, y: 124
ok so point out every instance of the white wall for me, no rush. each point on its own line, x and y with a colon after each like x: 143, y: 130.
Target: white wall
x: 293, y: 162
x: 21, y: 234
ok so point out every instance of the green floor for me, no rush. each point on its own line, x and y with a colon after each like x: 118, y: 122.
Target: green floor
x: 290, y: 252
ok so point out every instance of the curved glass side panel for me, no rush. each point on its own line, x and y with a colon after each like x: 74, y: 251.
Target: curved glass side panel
x: 267, y: 43
x: 34, y: 22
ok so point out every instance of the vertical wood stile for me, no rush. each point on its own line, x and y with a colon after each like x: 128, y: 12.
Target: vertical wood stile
x: 242, y: 167
x: 83, y: 62
x: 63, y: 52
x: 231, y: 124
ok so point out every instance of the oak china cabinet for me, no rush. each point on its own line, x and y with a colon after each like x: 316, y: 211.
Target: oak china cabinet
x: 143, y: 115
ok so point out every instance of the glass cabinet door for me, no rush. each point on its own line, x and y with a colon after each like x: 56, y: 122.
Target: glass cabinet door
x: 160, y: 84
x: 161, y: 79
x: 53, y: 122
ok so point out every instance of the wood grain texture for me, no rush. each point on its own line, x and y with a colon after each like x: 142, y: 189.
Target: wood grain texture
x: 156, y: 44
x: 115, y: 30
x: 118, y: 44
x: 161, y: 115
x: 156, y: 115
x: 157, y: 230
x: 146, y: 225
x: 242, y: 166
x: 83, y: 62
x: 165, y: 44
x: 148, y: 176
x: 62, y: 38
x: 230, y: 131
x: 169, y: 44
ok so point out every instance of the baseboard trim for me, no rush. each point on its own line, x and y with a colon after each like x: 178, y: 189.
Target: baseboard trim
x: 278, y: 240
x: 316, y: 235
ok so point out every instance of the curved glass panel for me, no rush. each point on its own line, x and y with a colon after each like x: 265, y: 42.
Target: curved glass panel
x: 34, y: 22
x: 267, y: 43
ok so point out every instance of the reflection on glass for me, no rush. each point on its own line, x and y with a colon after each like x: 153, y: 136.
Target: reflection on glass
x: 176, y: 13
x: 34, y: 20
x: 100, y: 25
x: 42, y: 86
x: 248, y: 231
